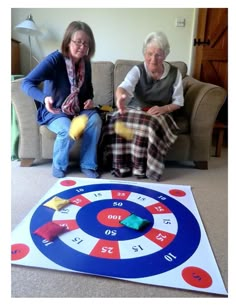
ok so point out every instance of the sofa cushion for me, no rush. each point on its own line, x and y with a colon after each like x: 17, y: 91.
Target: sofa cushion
x: 102, y: 80
x: 181, y: 66
x: 122, y: 67
x: 45, y: 132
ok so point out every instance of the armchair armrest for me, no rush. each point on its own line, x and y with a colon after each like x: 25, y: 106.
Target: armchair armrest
x: 26, y: 112
x: 203, y: 102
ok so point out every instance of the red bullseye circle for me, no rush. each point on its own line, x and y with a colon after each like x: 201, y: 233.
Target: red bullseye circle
x: 19, y: 251
x: 68, y: 182
x: 112, y: 216
x: 197, y: 277
x: 177, y: 193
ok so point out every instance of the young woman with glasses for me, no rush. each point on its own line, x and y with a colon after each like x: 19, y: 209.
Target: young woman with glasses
x: 68, y: 92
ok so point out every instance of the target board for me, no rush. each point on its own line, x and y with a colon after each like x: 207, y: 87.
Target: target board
x: 172, y: 250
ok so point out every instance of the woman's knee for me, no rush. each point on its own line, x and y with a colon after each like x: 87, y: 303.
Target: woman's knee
x: 63, y: 131
x: 95, y: 121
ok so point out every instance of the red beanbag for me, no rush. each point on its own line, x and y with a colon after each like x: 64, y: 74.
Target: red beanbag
x: 50, y: 231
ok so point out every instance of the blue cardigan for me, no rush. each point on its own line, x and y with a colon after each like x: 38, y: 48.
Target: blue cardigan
x: 53, y: 74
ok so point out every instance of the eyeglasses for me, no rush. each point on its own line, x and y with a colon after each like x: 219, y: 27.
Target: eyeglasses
x: 80, y: 43
x: 157, y: 56
x: 151, y: 54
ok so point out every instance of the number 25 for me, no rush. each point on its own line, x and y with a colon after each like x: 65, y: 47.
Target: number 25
x: 107, y: 249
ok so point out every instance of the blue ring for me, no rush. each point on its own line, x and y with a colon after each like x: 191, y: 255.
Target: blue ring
x: 178, y: 251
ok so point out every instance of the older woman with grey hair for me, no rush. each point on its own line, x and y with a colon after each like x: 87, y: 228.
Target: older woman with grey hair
x: 146, y: 100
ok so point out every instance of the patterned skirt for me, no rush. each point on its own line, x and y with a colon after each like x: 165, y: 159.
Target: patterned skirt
x: 144, y: 155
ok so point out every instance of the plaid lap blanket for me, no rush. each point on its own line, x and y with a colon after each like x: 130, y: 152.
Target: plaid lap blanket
x: 144, y: 155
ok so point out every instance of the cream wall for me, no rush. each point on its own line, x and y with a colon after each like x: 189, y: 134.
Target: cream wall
x: 119, y: 32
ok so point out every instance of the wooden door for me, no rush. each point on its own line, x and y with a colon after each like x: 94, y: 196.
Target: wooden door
x: 211, y: 56
x: 15, y: 57
x: 211, y: 43
x: 211, y: 53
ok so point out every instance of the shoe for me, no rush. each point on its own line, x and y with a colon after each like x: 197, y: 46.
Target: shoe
x: 90, y: 173
x: 156, y: 178
x: 143, y: 176
x: 58, y: 173
x: 117, y: 173
x: 139, y: 174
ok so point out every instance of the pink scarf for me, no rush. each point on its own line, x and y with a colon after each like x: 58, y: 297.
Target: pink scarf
x: 71, y: 104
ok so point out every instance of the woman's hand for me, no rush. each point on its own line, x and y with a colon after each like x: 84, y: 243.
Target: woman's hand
x: 88, y: 104
x: 156, y: 110
x: 48, y: 101
x: 120, y: 103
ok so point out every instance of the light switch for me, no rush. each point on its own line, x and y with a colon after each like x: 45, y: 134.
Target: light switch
x: 180, y: 22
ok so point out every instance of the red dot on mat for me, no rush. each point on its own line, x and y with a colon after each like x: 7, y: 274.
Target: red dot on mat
x: 177, y: 193
x: 68, y: 182
x: 19, y: 251
x: 196, y: 277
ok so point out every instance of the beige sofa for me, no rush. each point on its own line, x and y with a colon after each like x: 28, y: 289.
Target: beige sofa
x: 202, y: 104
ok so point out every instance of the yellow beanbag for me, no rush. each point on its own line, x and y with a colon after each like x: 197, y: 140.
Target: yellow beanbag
x: 77, y: 126
x: 56, y: 203
x: 123, y: 131
x: 106, y: 108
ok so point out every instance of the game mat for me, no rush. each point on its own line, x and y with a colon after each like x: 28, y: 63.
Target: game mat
x: 171, y: 250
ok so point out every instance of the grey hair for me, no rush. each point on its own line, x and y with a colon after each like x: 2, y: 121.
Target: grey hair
x: 159, y: 39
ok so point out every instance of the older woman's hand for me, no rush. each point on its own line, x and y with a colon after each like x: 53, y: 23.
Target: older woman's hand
x: 156, y: 110
x: 120, y: 103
